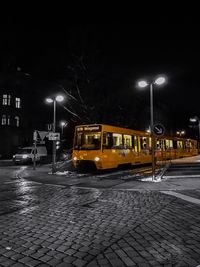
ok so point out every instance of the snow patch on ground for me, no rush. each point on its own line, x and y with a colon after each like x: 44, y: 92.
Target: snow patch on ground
x: 68, y: 173
x: 149, y: 179
x: 61, y: 173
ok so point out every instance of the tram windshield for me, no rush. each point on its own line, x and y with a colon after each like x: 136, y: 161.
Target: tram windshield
x: 88, y: 141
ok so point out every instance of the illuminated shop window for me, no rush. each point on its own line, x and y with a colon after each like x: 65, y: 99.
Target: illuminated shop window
x: 6, y: 100
x: 17, y: 121
x: 17, y: 102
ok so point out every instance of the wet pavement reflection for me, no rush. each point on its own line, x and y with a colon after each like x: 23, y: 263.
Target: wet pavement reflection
x: 16, y: 193
x: 69, y: 226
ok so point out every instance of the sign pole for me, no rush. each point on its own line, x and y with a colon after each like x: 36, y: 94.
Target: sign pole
x: 54, y: 141
x: 152, y: 134
x: 34, y: 155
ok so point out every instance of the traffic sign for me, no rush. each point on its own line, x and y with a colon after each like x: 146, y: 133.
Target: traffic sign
x: 158, y: 129
x: 54, y: 136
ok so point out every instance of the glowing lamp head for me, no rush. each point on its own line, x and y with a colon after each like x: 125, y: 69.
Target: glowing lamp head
x: 142, y: 84
x: 193, y: 119
x: 49, y: 100
x: 62, y: 123
x: 59, y: 98
x: 160, y: 80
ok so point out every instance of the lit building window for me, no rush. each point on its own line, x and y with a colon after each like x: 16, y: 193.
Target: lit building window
x: 3, y: 119
x: 9, y: 99
x: 5, y: 100
x: 17, y: 121
x: 8, y: 120
x: 17, y: 102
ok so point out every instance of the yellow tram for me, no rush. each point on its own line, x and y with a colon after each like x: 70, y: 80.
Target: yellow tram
x: 106, y: 146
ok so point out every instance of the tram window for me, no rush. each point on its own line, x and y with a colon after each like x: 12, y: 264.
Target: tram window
x: 158, y: 145
x: 78, y: 140
x: 136, y: 144
x: 174, y: 144
x: 143, y: 143
x: 171, y: 144
x: 168, y: 144
x: 88, y: 140
x: 107, y: 140
x: 132, y: 140
x: 117, y: 140
x: 180, y: 144
x: 127, y: 141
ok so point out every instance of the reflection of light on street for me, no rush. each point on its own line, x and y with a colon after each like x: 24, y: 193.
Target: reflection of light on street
x: 29, y: 209
x: 22, y: 168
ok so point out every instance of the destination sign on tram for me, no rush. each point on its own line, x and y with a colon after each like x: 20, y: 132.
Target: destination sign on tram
x: 89, y: 128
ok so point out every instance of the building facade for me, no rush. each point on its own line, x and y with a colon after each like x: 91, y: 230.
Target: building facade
x: 13, y: 126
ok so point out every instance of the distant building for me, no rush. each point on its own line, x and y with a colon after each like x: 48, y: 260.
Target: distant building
x: 13, y: 125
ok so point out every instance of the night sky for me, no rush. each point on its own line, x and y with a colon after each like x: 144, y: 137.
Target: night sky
x: 114, y: 57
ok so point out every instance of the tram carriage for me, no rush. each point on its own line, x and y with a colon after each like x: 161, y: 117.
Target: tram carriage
x: 105, y: 147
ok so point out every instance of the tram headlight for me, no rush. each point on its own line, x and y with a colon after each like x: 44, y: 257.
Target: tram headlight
x: 75, y: 158
x: 96, y: 159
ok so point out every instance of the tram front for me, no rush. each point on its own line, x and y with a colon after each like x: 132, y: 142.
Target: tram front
x: 87, y: 149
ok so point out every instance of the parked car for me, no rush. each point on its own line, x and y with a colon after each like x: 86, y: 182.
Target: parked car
x: 26, y: 154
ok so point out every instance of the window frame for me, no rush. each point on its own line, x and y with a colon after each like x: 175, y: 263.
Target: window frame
x: 17, y: 102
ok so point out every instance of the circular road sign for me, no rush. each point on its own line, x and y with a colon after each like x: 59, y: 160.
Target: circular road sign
x: 158, y: 129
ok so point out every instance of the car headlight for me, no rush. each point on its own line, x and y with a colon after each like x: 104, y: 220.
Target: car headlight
x: 14, y: 157
x: 24, y: 156
x: 96, y: 159
x: 74, y: 158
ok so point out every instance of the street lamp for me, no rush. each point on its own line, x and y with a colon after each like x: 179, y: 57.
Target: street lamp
x: 58, y: 98
x: 63, y: 124
x: 142, y: 84
x: 180, y: 133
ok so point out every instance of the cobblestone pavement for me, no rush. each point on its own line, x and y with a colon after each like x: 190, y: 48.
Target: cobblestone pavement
x: 97, y: 227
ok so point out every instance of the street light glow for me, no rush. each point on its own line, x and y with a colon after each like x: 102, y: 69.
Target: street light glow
x: 59, y: 98
x: 160, y: 80
x: 142, y: 84
x: 62, y: 123
x: 49, y: 100
x: 193, y: 119
x: 180, y: 132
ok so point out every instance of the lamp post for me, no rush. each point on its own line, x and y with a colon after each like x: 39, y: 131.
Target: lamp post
x: 196, y: 119
x: 157, y: 81
x: 58, y: 98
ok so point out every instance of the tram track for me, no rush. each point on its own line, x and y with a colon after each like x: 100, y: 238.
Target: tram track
x: 184, y: 170
x: 124, y: 175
